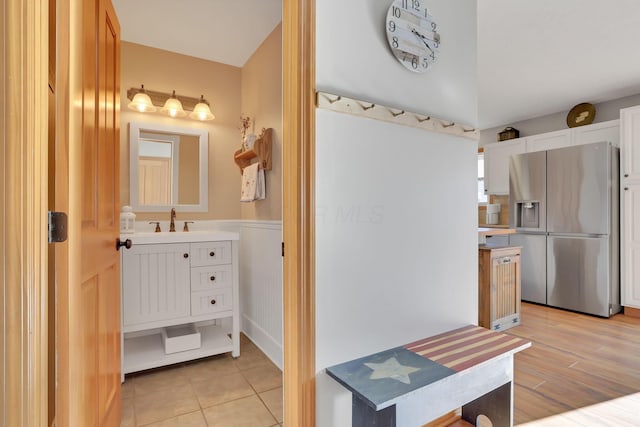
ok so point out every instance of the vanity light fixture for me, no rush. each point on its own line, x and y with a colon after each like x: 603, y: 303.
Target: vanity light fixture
x: 173, y: 107
x: 142, y: 102
x: 202, y: 111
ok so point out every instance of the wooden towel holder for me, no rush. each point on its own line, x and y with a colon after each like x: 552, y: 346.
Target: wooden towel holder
x: 261, y: 151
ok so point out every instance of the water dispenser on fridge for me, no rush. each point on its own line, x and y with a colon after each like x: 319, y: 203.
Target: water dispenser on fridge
x: 528, y: 214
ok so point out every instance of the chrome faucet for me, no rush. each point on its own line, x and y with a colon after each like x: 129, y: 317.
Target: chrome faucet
x: 172, y: 225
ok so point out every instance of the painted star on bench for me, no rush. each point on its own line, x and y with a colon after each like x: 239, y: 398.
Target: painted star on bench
x: 391, y: 369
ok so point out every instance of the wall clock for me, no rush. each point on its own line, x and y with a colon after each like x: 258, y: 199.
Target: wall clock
x: 412, y: 34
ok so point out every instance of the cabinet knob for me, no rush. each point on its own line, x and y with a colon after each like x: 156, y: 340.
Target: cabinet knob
x: 626, y: 188
x: 186, y: 255
x: 213, y: 278
x: 626, y: 175
x: 213, y: 302
x: 212, y: 253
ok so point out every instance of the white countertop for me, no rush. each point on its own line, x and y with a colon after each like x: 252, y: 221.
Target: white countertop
x: 142, y: 238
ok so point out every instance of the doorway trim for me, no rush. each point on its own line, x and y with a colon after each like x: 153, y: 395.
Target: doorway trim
x: 23, y: 230
x: 298, y: 213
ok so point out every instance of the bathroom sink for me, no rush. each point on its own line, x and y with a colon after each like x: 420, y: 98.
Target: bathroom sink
x: 142, y: 238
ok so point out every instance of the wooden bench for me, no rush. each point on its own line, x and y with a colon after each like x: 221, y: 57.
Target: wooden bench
x: 411, y: 385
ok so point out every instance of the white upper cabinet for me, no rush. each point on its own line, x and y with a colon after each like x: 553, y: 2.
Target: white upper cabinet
x: 630, y: 143
x: 630, y: 206
x: 496, y: 164
x: 599, y: 132
x: 549, y: 141
x: 496, y: 155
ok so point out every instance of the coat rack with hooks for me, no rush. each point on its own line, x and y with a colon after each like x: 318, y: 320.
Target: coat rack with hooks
x: 261, y: 150
x: 371, y: 110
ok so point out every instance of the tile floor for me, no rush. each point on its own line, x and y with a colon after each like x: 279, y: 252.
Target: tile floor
x: 213, y: 392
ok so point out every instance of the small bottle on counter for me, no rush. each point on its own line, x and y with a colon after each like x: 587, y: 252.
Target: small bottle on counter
x: 127, y: 220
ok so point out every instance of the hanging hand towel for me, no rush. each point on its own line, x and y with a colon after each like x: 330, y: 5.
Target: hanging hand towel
x: 260, y: 190
x: 253, y: 187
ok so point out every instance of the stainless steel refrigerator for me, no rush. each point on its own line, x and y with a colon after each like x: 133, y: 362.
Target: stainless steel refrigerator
x: 564, y: 207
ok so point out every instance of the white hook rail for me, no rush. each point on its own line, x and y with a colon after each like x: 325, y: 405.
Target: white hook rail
x: 371, y: 110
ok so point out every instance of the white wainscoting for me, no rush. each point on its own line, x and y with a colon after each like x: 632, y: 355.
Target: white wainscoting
x: 261, y: 310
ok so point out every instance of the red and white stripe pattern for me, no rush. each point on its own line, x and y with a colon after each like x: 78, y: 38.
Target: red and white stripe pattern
x: 468, y: 346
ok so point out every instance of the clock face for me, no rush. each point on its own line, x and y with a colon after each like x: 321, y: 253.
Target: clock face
x: 412, y: 34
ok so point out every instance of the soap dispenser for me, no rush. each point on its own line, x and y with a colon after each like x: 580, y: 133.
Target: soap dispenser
x: 127, y: 220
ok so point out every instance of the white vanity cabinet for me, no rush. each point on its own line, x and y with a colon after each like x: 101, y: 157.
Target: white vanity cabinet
x: 155, y: 285
x: 179, y: 298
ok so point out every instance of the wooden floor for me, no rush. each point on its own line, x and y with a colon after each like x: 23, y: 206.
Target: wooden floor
x: 580, y: 371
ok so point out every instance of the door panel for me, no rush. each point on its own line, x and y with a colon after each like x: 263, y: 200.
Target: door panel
x: 578, y: 274
x: 87, y: 388
x: 98, y: 317
x: 527, y: 183
x: 109, y: 345
x: 533, y: 266
x: 578, y: 179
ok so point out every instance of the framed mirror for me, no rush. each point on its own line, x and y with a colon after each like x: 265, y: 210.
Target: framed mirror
x: 168, y: 168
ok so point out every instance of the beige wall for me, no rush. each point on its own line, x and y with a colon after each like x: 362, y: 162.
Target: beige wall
x: 165, y: 71
x: 189, y: 174
x: 261, y: 100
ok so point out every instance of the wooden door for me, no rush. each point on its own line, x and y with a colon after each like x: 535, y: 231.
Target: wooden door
x: 154, y: 177
x: 89, y: 337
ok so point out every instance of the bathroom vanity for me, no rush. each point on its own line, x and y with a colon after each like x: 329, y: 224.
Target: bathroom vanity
x: 179, y: 297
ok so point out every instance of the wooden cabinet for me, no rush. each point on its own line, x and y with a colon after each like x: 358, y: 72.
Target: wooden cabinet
x: 496, y: 164
x: 169, y: 288
x: 498, y: 286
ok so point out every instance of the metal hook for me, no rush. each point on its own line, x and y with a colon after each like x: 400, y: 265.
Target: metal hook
x: 365, y: 108
x: 331, y: 101
x: 396, y: 114
x: 447, y: 126
x: 423, y: 120
x: 469, y: 130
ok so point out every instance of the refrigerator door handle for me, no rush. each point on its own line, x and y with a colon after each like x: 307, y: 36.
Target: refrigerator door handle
x: 577, y: 235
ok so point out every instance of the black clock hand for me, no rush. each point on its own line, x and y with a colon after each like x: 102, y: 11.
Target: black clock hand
x: 422, y: 38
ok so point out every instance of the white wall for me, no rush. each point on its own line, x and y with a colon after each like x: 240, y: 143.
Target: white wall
x: 353, y: 58
x: 396, y: 216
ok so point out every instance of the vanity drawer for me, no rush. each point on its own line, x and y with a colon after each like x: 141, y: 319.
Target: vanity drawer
x: 216, y: 276
x: 210, y: 253
x: 212, y: 301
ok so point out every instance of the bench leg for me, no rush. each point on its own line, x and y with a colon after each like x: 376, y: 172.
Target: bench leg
x: 496, y: 405
x: 364, y: 415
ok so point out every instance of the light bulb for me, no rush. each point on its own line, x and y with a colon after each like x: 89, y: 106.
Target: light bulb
x: 141, y: 102
x: 202, y: 111
x: 173, y: 107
